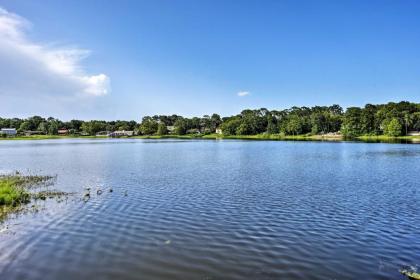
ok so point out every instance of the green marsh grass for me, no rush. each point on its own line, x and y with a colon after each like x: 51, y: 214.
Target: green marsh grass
x: 18, y: 190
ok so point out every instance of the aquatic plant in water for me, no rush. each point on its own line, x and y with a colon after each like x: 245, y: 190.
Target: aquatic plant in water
x: 17, y: 190
x: 12, y: 192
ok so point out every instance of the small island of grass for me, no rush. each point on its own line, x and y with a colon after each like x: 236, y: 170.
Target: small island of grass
x: 18, y: 190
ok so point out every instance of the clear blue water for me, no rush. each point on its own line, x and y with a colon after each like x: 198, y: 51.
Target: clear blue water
x: 216, y: 210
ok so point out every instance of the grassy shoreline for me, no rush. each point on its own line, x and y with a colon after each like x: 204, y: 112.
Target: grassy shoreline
x: 278, y: 137
x: 386, y: 138
x: 47, y: 137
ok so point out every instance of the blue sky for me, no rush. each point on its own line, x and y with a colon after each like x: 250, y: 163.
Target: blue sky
x: 126, y: 59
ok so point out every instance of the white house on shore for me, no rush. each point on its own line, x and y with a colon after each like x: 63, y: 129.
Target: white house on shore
x: 219, y: 130
x: 120, y: 133
x: 8, y: 131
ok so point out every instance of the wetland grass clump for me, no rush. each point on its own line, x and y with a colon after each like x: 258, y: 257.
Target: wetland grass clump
x: 12, y: 192
x: 17, y: 190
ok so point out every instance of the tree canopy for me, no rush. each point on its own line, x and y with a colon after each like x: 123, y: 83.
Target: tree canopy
x: 392, y: 119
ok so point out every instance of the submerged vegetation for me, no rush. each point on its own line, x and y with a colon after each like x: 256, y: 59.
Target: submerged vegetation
x: 389, y: 120
x: 17, y: 190
x: 21, y: 192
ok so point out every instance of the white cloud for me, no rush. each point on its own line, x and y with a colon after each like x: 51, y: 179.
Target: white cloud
x: 97, y: 85
x: 32, y: 69
x: 243, y: 93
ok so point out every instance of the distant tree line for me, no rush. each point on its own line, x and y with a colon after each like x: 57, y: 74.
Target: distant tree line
x: 51, y: 125
x: 392, y: 119
x: 179, y: 125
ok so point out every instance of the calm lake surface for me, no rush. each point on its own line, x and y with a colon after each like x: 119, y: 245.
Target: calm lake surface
x: 209, y: 209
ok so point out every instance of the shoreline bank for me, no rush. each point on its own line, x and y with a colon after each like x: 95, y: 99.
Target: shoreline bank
x: 260, y: 137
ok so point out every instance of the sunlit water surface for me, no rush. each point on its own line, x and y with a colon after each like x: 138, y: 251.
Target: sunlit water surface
x: 216, y: 210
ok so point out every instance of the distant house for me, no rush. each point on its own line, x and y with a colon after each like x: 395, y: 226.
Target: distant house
x: 120, y: 133
x: 63, y: 131
x: 170, y: 129
x: 8, y: 131
x: 219, y: 131
x: 413, y: 133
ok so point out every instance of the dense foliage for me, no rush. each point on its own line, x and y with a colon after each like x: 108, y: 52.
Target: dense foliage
x: 51, y: 125
x: 392, y: 119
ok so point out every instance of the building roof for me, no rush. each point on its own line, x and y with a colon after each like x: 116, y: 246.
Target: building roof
x: 123, y: 131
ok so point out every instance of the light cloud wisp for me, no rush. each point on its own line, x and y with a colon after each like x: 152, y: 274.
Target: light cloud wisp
x: 243, y: 93
x: 37, y: 69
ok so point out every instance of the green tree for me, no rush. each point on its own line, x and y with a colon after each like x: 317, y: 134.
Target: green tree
x: 351, y: 126
x: 148, y: 126
x: 408, y: 120
x: 272, y: 127
x: 245, y: 128
x: 367, y: 120
x: 230, y: 126
x: 215, y: 122
x: 15, y: 123
x: 181, y: 126
x: 294, y: 125
x: 93, y: 127
x: 416, y: 121
x: 392, y: 127
x: 318, y: 123
x: 53, y: 127
x: 35, y: 121
x: 162, y: 129
x: 43, y: 127
x: 4, y: 123
x: 26, y: 125
x: 75, y: 124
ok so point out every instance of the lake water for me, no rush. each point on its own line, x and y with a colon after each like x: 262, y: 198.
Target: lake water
x: 209, y: 209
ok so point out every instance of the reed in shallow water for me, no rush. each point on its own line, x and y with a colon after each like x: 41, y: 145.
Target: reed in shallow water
x: 12, y: 191
x: 17, y: 190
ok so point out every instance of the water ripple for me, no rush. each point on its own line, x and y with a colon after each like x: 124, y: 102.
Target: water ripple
x: 218, y: 210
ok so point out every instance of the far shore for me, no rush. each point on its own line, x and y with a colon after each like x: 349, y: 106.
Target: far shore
x: 270, y: 137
